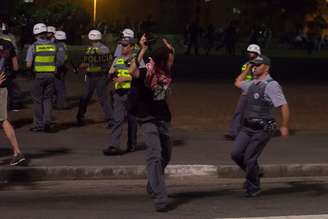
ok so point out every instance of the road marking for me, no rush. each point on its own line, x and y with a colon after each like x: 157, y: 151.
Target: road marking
x: 322, y: 216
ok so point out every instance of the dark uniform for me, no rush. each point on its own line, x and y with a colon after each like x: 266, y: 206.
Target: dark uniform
x: 60, y: 88
x: 97, y: 57
x: 258, y: 127
x: 45, y: 58
x: 236, y: 122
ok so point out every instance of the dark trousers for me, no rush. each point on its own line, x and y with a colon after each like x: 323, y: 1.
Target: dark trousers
x: 60, y: 91
x: 42, y: 93
x: 237, y: 118
x: 98, y: 84
x: 247, y: 148
x: 158, y: 155
x: 120, y: 112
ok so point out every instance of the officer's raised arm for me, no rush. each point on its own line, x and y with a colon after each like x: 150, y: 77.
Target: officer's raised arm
x: 242, y: 77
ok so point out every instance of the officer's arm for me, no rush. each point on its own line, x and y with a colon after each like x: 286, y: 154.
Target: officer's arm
x: 29, y: 58
x: 284, y: 120
x: 242, y: 76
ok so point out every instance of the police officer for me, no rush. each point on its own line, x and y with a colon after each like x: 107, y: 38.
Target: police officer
x: 122, y: 85
x: 253, y: 51
x: 60, y: 95
x: 127, y: 32
x: 51, y: 33
x: 43, y: 58
x: 263, y: 94
x: 95, y: 63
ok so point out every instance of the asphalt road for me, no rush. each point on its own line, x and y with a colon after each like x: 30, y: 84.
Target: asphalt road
x: 190, y: 198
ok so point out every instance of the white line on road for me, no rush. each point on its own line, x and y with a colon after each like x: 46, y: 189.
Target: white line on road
x: 322, y: 216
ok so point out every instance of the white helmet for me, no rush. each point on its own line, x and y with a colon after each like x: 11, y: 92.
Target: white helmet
x: 94, y: 35
x: 128, y: 33
x: 60, y: 35
x: 254, y: 48
x: 51, y: 29
x: 39, y: 28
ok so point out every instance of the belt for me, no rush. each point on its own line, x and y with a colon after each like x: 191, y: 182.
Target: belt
x: 257, y: 124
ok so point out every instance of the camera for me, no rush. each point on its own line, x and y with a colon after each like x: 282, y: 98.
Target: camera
x: 151, y: 39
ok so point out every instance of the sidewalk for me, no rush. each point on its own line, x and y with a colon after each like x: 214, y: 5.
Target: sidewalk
x: 198, y: 146
x: 76, y: 153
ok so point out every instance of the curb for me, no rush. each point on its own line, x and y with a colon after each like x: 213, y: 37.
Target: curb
x: 27, y: 174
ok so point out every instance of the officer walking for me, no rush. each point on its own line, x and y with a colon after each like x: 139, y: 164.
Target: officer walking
x: 253, y: 51
x: 122, y: 85
x: 60, y: 101
x: 263, y: 94
x: 43, y: 57
x: 95, y: 63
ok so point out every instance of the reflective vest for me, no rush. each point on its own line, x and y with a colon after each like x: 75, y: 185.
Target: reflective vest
x: 93, y: 66
x: 7, y: 38
x: 249, y: 76
x: 45, y: 58
x: 258, y: 106
x: 122, y: 71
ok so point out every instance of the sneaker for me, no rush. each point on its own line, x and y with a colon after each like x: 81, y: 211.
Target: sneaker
x: 253, y: 193
x: 18, y: 160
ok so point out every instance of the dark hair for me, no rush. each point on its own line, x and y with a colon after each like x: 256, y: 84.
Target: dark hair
x: 160, y: 56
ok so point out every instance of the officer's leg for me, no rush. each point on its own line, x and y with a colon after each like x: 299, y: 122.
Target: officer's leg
x: 119, y: 113
x: 103, y: 95
x: 237, y: 118
x: 49, y: 91
x: 165, y: 143
x: 37, y: 97
x: 89, y: 87
x: 155, y: 174
x: 239, y: 147
x: 60, y: 91
x: 252, y: 153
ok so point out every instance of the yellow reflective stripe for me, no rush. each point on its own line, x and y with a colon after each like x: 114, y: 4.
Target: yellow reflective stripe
x: 244, y: 67
x: 124, y: 73
x: 45, y: 48
x: 45, y: 68
x: 123, y: 85
x: 44, y: 59
x: 94, y: 69
x: 6, y: 38
x: 249, y: 77
x: 120, y: 62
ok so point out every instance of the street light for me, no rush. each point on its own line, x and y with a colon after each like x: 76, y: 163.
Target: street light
x: 94, y: 11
